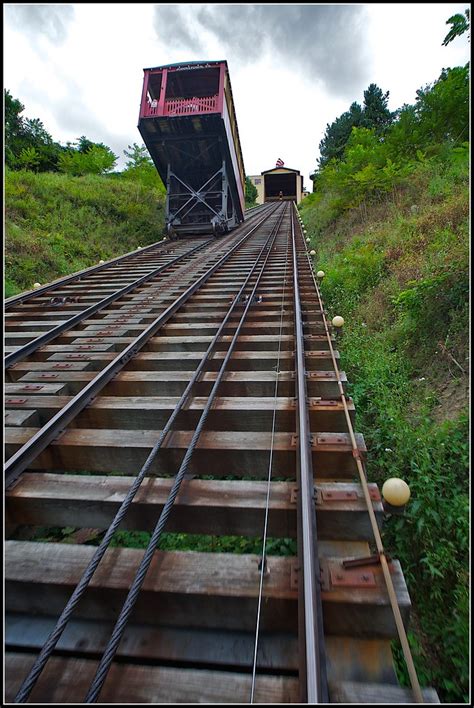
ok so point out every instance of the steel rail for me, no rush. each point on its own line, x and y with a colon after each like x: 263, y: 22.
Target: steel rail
x: 80, y: 274
x: 43, y: 339
x: 57, y: 424
x: 48, y: 647
x: 314, y: 649
x: 370, y: 509
x: 127, y: 608
x: 269, y: 477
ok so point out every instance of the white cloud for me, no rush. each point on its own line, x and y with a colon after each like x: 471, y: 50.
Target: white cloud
x: 82, y: 73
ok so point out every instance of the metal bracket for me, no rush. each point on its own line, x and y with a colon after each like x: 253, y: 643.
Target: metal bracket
x: 32, y: 387
x: 367, y: 560
x: 337, y: 495
x: 341, y: 577
x: 294, y: 573
x: 15, y: 401
x: 334, y: 575
x: 318, y: 498
x: 321, y: 440
x: 374, y: 494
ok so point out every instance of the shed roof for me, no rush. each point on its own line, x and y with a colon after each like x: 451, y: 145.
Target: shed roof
x: 288, y: 169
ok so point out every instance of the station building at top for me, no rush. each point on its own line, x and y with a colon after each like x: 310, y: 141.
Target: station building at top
x: 270, y: 183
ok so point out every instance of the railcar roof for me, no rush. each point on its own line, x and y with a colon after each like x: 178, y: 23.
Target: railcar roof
x: 204, y: 64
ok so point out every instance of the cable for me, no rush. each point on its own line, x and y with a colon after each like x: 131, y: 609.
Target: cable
x: 127, y: 608
x: 267, y: 503
x: 48, y: 647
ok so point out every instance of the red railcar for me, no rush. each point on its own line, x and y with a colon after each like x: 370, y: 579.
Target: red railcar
x: 188, y: 123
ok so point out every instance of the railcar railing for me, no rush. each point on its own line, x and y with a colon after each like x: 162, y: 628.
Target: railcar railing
x: 183, y: 106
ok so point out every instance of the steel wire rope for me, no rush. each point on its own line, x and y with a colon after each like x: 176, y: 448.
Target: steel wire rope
x: 119, y: 628
x: 53, y: 638
x: 270, y: 464
x: 370, y: 509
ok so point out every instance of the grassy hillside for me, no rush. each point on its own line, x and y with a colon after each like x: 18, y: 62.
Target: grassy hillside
x: 397, y: 271
x: 57, y: 223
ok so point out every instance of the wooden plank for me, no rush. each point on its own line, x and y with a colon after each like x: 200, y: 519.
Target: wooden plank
x: 366, y: 693
x: 141, y: 641
x: 202, y: 506
x: 219, y: 453
x: 16, y: 390
x: 348, y: 659
x: 166, y: 361
x: 193, y: 589
x: 152, y: 412
x: 67, y: 680
x: 21, y: 417
x: 173, y: 383
x: 16, y: 371
x: 351, y: 659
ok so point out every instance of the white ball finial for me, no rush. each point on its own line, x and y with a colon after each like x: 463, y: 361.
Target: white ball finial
x: 36, y: 285
x: 138, y: 248
x: 395, y: 491
x: 312, y: 252
x: 308, y: 240
x: 338, y: 321
x: 320, y: 273
x: 101, y: 261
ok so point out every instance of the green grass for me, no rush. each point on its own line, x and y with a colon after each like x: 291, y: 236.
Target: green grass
x: 57, y: 224
x: 398, y: 274
x: 169, y: 541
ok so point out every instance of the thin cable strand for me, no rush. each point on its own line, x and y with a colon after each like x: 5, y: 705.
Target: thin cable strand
x: 267, y: 504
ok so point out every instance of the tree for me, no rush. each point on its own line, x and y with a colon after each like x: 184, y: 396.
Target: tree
x: 376, y: 113
x: 250, y: 192
x: 29, y: 158
x: 137, y: 156
x: 459, y: 25
x: 140, y: 168
x: 338, y: 133
x: 23, y: 134
x: 97, y: 160
x: 14, y: 128
x: 443, y: 108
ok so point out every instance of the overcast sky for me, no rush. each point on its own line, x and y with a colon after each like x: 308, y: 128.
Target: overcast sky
x: 294, y: 68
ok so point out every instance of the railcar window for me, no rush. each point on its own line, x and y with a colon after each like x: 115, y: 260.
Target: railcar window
x: 154, y: 86
x: 194, y: 83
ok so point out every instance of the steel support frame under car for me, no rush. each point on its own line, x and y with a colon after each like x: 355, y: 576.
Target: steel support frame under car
x: 198, y: 204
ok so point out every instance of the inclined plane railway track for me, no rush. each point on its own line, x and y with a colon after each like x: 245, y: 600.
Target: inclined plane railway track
x: 189, y: 387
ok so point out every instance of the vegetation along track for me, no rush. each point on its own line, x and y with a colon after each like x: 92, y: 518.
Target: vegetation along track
x: 203, y: 401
